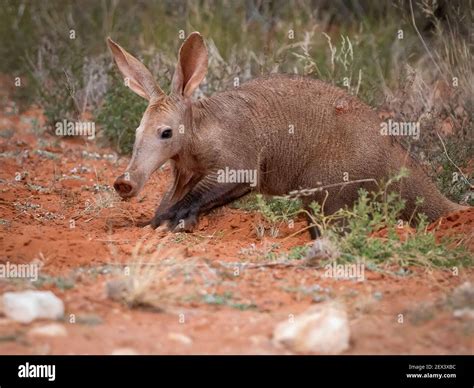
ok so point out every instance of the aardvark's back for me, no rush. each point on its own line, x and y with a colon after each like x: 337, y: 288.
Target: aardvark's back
x: 298, y: 132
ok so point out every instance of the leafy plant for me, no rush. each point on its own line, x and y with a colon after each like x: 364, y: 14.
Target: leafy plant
x: 276, y: 212
x: 353, y: 231
x: 120, y: 114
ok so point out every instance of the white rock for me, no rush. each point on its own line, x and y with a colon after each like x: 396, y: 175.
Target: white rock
x: 124, y: 352
x: 322, y: 329
x: 185, y: 340
x: 50, y: 330
x: 26, y: 306
x: 466, y: 313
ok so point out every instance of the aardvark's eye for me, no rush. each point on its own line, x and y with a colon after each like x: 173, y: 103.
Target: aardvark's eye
x: 166, y: 133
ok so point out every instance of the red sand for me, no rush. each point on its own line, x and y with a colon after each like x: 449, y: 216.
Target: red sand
x: 36, y: 214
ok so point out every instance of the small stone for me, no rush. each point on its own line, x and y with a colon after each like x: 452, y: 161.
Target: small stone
x: 378, y: 295
x: 465, y: 313
x: 323, y: 329
x: 26, y: 306
x: 124, y: 352
x: 50, y: 330
x: 185, y: 340
x: 322, y: 249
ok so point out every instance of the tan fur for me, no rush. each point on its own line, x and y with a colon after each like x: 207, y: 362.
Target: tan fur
x: 250, y: 128
x: 334, y: 133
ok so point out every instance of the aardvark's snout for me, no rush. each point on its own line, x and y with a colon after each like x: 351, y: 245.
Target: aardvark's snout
x: 124, y: 186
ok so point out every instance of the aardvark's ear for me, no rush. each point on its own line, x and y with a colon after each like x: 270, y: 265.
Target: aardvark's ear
x: 192, y: 65
x: 137, y: 76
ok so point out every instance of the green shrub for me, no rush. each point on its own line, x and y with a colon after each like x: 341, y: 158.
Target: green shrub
x: 351, y: 230
x: 275, y: 213
x: 120, y: 115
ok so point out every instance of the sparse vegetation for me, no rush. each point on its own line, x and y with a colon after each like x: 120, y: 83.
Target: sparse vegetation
x: 153, y: 276
x: 226, y: 285
x: 120, y: 115
x: 60, y: 282
x: 226, y: 299
x: 383, y: 58
x: 370, y: 230
x: 275, y: 213
x: 356, y: 232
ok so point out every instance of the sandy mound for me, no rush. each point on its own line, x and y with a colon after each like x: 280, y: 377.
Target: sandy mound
x: 458, y: 226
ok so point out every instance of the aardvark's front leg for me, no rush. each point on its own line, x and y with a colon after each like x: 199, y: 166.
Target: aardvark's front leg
x: 205, y: 196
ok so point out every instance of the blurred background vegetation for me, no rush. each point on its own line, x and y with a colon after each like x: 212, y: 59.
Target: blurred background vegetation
x: 411, y: 60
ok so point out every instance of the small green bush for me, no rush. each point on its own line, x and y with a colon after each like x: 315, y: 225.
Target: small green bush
x: 120, y: 115
x: 351, y: 229
x: 277, y: 210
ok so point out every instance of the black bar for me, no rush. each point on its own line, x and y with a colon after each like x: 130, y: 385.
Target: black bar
x: 312, y: 371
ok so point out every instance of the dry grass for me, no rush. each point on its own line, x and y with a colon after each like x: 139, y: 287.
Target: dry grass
x: 158, y: 278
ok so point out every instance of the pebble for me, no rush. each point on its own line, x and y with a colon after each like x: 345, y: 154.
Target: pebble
x: 185, y: 340
x: 322, y: 329
x: 50, y: 330
x: 465, y: 313
x: 26, y: 306
x: 378, y: 295
x: 124, y: 352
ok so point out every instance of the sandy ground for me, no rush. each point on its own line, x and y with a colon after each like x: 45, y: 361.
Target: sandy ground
x: 57, y: 209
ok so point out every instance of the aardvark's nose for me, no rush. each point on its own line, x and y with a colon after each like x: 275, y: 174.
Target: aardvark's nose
x: 124, y: 187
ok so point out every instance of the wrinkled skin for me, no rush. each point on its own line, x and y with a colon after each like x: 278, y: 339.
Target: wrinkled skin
x: 333, y: 136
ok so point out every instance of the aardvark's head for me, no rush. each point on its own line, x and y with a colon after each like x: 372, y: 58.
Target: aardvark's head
x: 166, y: 124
